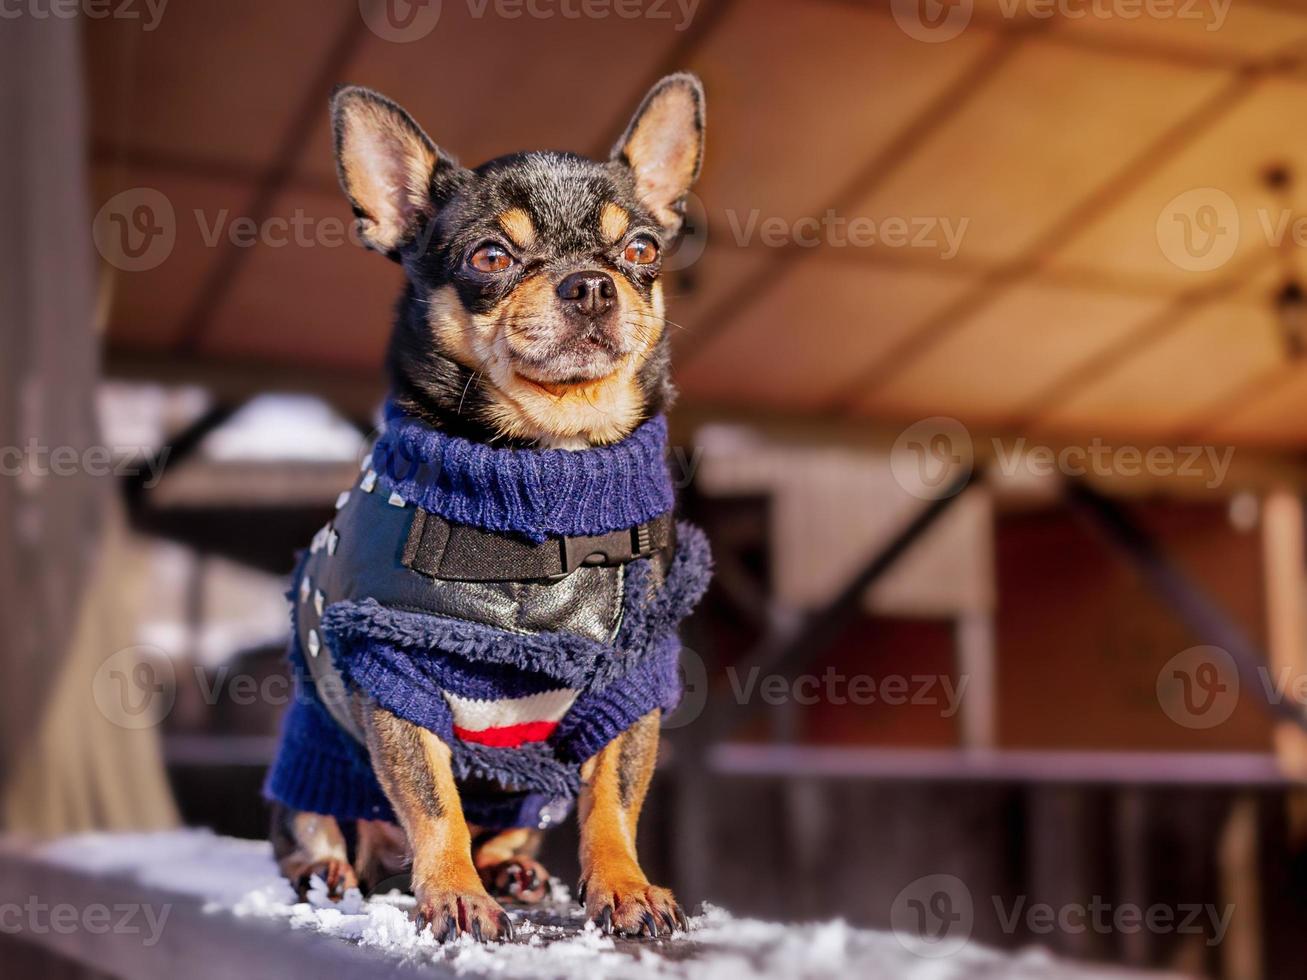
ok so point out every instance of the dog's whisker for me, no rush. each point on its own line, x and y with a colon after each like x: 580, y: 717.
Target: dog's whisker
x: 461, y: 398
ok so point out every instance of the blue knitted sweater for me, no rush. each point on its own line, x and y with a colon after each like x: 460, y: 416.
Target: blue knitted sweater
x: 521, y: 707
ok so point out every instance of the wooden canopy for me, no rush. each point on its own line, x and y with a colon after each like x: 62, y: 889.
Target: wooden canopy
x: 1074, y: 296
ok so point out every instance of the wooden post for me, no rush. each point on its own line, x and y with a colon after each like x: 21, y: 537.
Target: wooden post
x: 1238, y: 858
x: 1286, y: 632
x: 1285, y: 574
x: 978, y: 718
x: 66, y: 564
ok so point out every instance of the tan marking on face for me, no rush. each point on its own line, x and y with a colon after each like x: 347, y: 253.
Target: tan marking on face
x: 532, y: 304
x: 518, y: 227
x: 613, y: 222
x: 642, y: 319
x: 455, y: 329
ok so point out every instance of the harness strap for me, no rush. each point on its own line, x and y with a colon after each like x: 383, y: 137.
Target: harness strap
x: 462, y: 553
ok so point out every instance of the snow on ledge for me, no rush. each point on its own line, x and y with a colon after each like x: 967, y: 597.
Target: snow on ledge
x: 240, y: 877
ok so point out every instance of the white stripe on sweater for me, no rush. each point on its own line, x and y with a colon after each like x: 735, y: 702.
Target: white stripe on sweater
x: 476, y: 716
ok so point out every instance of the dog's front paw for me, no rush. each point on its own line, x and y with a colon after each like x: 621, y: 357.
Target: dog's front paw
x: 632, y: 907
x: 451, y: 912
x: 520, y: 878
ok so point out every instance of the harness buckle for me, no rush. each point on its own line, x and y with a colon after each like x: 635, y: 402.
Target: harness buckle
x: 613, y: 548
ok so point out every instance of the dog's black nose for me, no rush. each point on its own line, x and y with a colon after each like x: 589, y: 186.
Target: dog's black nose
x: 591, y: 293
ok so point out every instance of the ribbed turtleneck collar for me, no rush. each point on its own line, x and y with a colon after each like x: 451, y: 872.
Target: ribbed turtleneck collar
x: 538, y: 493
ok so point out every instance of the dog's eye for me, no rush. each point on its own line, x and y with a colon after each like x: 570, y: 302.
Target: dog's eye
x: 490, y: 258
x: 641, y: 251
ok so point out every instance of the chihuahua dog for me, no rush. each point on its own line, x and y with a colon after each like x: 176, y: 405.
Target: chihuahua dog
x: 531, y: 318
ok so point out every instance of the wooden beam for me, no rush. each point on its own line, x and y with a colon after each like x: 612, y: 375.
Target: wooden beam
x: 1061, y: 390
x: 173, y: 163
x: 175, y: 450
x: 899, y: 151
x: 1247, y: 769
x: 985, y: 17
x: 1262, y: 387
x: 312, y: 108
x: 356, y: 394
x: 1099, y: 201
x: 999, y: 448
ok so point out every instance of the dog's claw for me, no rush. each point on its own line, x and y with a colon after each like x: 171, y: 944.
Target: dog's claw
x: 335, y: 882
x: 450, y: 913
x: 633, y: 908
x: 505, y: 927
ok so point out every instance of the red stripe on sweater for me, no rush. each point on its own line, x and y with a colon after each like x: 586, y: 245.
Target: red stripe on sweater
x: 508, y: 736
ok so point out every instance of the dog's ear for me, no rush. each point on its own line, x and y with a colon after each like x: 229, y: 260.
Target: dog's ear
x: 386, y: 166
x: 663, y: 145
